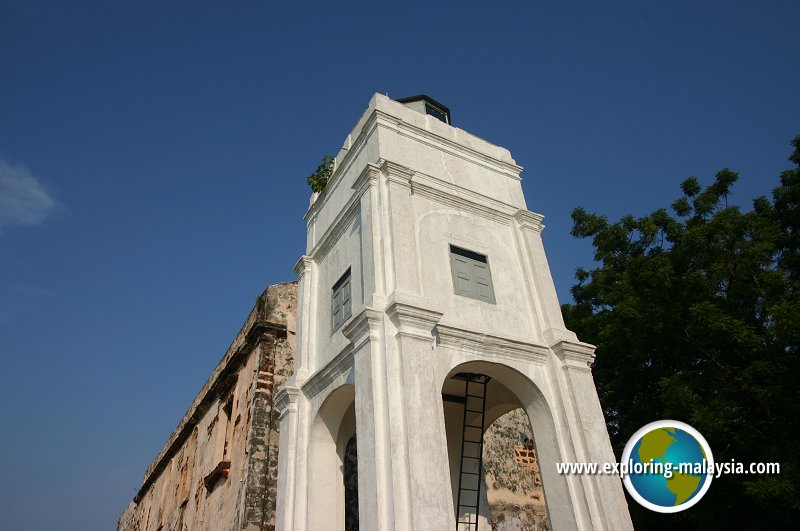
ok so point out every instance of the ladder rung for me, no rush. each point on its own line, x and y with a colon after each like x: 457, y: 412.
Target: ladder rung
x: 469, y: 522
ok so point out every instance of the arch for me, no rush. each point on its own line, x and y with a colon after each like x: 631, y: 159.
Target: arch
x: 508, y: 389
x: 333, y: 427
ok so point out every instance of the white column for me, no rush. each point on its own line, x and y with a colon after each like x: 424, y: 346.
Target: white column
x: 604, y: 494
x: 303, y: 363
x: 419, y: 440
x: 374, y: 460
x: 542, y: 291
x: 399, y: 231
x: 286, y: 403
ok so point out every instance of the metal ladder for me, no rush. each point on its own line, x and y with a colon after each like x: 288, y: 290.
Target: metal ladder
x: 469, y: 477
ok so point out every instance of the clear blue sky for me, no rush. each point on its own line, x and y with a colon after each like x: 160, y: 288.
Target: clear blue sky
x: 153, y: 158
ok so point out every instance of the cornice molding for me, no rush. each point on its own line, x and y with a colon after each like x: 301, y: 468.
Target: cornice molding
x: 332, y: 370
x: 396, y: 173
x: 286, y: 400
x: 368, y: 177
x: 528, y: 220
x: 302, y: 266
x: 476, y: 342
x: 448, y: 146
x: 337, y: 228
x: 413, y: 321
x: 574, y: 355
x: 363, y: 327
x: 461, y: 198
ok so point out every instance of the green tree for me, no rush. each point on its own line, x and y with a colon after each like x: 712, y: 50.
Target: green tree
x: 695, y: 312
x: 319, y: 179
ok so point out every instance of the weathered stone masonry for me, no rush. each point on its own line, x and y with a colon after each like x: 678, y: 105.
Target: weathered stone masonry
x: 218, y: 470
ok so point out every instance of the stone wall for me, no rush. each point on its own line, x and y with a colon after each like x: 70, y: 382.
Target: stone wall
x: 218, y: 470
x: 511, y: 470
x: 277, y: 362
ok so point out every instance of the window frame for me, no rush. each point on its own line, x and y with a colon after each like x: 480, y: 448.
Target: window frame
x: 436, y: 112
x: 343, y: 290
x: 477, y: 266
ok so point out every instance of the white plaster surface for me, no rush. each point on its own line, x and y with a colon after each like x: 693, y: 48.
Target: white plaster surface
x: 406, y: 186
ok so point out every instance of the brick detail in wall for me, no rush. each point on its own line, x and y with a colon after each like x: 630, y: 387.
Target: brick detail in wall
x: 275, y: 366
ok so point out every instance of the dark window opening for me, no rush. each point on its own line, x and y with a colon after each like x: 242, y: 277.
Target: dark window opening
x: 342, y: 306
x: 436, y: 112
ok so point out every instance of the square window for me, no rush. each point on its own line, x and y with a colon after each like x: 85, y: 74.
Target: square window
x: 342, y: 308
x: 471, y: 275
x: 436, y: 112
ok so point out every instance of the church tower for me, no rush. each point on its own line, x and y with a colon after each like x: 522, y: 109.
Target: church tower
x: 426, y: 310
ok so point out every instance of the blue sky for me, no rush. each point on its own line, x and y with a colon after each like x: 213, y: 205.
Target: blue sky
x: 153, y: 158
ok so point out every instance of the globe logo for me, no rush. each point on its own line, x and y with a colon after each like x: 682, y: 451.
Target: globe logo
x: 669, y: 466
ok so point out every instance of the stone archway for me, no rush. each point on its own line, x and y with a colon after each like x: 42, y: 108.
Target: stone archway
x: 507, y: 391
x: 330, y: 486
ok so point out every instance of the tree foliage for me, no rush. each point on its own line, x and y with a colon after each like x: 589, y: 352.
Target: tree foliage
x: 319, y: 179
x: 695, y: 311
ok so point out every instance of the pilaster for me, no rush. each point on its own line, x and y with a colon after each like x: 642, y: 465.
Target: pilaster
x: 539, y: 284
x: 402, y: 248
x: 421, y: 448
x: 286, y: 404
x: 603, y: 494
x: 374, y: 460
x: 303, y: 366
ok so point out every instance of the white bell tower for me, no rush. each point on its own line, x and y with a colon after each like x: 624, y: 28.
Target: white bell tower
x: 426, y: 310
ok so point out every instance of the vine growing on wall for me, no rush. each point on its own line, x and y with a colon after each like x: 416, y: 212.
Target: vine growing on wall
x: 319, y: 179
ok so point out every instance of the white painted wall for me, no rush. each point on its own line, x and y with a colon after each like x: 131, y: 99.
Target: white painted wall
x: 405, y: 187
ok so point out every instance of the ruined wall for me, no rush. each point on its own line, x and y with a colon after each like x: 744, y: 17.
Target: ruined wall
x: 274, y: 368
x: 218, y: 469
x: 513, y: 483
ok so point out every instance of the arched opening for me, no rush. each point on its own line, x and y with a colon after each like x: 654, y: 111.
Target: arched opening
x: 332, y: 464
x: 351, y: 485
x: 494, y: 468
